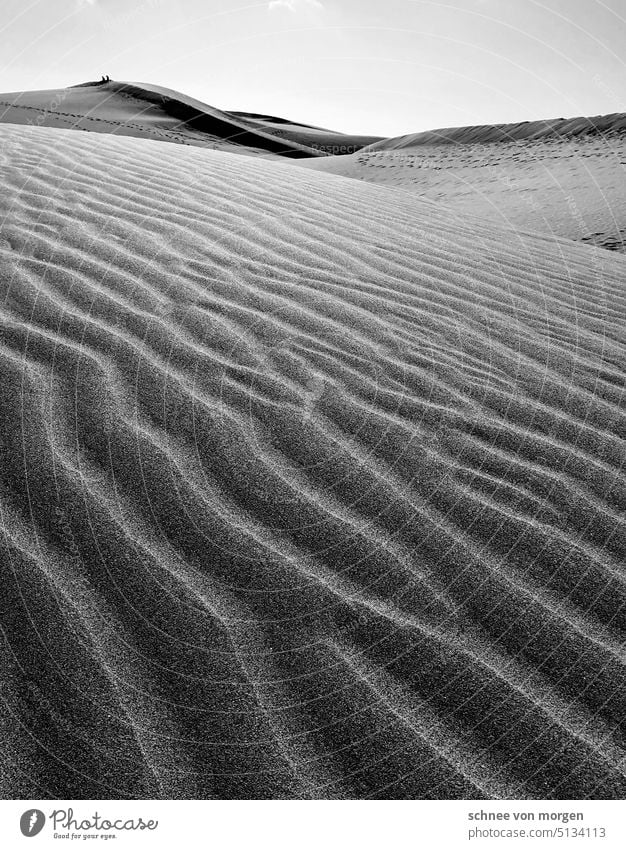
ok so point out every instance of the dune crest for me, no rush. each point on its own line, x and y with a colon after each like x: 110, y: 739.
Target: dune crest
x: 563, y: 177
x: 147, y: 111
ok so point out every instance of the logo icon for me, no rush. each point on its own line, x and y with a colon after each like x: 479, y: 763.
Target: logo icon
x: 31, y: 822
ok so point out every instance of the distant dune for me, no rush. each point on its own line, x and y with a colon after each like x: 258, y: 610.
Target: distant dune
x: 558, y: 129
x: 317, y: 138
x: 566, y: 177
x: 310, y: 488
x: 148, y: 111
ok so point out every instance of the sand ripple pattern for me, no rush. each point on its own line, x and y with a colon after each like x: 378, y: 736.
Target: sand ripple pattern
x: 308, y: 489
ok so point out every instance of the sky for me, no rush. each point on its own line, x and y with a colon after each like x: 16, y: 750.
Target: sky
x: 381, y: 67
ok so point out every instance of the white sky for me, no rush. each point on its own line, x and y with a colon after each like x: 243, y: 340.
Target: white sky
x: 384, y: 67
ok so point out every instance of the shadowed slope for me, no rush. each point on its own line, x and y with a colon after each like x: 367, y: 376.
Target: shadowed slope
x: 325, y: 141
x: 153, y: 112
x: 310, y: 489
x: 563, y: 177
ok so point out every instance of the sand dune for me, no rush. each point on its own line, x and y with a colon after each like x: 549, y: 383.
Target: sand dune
x: 317, y: 138
x: 310, y: 488
x: 148, y: 111
x: 565, y: 177
x: 555, y: 129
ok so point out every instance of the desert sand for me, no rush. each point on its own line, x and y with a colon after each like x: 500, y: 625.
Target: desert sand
x: 565, y: 177
x: 311, y: 488
x: 148, y: 111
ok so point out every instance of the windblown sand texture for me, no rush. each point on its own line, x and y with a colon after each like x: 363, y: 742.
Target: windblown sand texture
x: 565, y: 177
x: 310, y: 488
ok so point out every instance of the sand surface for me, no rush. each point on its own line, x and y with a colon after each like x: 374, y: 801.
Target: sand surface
x: 565, y: 177
x: 310, y: 488
x: 153, y: 112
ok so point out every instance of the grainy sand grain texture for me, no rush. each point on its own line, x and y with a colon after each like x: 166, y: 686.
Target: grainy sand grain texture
x: 310, y: 488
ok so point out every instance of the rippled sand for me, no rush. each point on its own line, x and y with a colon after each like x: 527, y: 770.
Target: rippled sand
x: 310, y: 488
